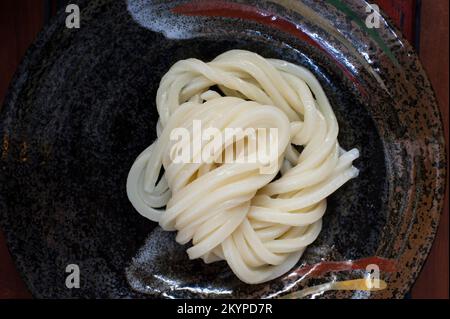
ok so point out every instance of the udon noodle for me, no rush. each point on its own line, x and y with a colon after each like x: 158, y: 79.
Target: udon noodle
x: 259, y: 222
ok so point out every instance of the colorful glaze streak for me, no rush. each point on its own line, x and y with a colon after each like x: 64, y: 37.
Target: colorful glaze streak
x: 338, y: 4
x: 355, y: 284
x: 322, y: 268
x: 218, y: 8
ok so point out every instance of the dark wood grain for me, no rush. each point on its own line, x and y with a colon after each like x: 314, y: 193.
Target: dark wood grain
x: 433, y: 280
x: 20, y: 21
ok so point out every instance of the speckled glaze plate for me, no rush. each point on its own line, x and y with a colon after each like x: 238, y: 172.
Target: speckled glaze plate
x: 82, y: 107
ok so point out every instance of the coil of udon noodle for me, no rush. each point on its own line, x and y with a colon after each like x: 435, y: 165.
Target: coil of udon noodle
x: 260, y: 225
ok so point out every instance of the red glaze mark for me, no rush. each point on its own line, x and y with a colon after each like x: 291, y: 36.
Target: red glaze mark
x: 218, y: 8
x: 317, y: 270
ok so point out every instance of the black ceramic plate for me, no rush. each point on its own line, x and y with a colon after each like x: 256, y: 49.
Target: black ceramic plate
x: 82, y: 107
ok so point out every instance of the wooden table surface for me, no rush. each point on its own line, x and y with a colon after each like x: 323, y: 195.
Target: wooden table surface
x: 21, y: 20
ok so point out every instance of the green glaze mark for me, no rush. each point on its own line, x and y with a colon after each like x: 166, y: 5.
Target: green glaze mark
x: 338, y: 4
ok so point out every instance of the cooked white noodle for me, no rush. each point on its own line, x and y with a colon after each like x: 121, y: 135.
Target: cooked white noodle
x: 232, y: 211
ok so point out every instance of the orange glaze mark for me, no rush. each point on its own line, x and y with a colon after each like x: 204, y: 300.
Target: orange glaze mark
x: 218, y: 8
x: 317, y: 270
